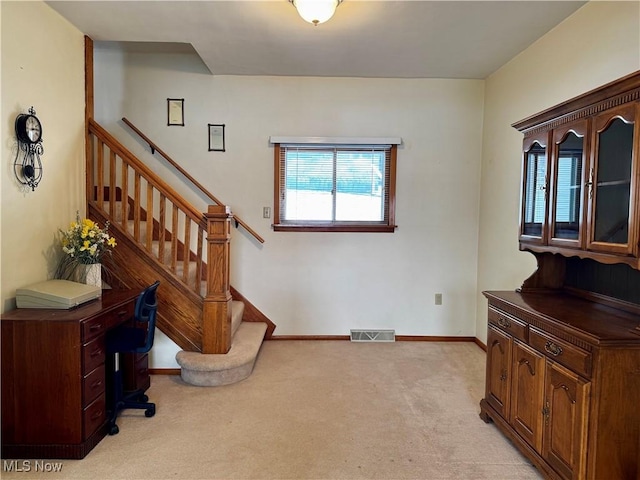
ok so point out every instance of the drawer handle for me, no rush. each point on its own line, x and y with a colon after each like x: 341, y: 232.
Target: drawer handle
x: 96, y: 327
x: 96, y: 353
x: 122, y: 313
x: 553, y: 348
x: 503, y: 322
x: 97, y: 415
x: 97, y: 383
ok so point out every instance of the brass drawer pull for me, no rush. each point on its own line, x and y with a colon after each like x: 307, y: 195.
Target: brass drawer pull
x: 553, y: 349
x: 503, y: 322
x: 97, y: 326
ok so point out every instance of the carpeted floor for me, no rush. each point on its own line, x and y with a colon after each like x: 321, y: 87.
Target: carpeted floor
x: 315, y: 410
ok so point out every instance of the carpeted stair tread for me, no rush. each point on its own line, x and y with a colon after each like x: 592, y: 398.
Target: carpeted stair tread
x: 155, y: 249
x: 223, y: 369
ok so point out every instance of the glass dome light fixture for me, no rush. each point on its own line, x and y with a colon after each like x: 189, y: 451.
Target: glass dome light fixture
x: 316, y: 11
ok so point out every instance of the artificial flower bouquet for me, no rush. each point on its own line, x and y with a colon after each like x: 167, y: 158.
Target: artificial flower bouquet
x: 86, y: 242
x: 83, y: 243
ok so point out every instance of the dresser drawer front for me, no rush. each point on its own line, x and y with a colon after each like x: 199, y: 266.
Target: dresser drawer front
x: 93, y: 385
x: 94, y: 327
x: 566, y: 354
x: 509, y: 324
x: 138, y: 376
x: 93, y: 354
x: 94, y: 416
x: 98, y: 325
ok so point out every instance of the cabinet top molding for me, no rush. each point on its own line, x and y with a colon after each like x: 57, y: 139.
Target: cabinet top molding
x: 623, y: 90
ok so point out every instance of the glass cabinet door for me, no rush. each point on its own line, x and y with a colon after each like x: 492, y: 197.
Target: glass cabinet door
x: 611, y: 182
x: 567, y: 193
x: 534, y: 191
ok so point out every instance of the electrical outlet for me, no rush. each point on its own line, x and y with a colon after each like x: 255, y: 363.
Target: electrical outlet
x: 266, y: 212
x: 438, y: 299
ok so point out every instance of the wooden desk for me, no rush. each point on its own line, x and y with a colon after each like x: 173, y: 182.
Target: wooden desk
x: 54, y: 393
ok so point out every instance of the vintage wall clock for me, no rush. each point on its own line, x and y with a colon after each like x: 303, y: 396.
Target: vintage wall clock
x: 27, y: 166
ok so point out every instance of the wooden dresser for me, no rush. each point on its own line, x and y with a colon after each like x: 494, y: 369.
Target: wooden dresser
x: 54, y: 382
x: 563, y: 383
x: 563, y: 351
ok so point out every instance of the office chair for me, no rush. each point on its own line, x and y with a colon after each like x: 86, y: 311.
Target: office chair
x: 128, y: 339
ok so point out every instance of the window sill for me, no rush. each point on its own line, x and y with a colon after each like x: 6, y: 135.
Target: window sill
x: 334, y: 228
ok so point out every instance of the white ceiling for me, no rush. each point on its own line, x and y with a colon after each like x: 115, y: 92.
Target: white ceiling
x: 406, y: 39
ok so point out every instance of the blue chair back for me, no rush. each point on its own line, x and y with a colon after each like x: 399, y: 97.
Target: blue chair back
x: 145, y: 311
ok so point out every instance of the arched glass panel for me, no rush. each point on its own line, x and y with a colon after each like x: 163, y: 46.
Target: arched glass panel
x: 568, y: 188
x: 534, y: 190
x: 613, y: 186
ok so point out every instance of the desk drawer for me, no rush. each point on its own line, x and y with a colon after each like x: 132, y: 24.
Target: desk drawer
x: 509, y: 324
x: 93, y: 385
x: 99, y: 325
x: 94, y: 416
x: 569, y: 355
x: 93, y: 354
x: 137, y: 377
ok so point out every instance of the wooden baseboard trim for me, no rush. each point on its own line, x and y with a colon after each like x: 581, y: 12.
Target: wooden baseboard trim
x: 164, y: 371
x: 399, y: 338
x: 423, y: 338
x: 480, y: 344
x: 308, y: 337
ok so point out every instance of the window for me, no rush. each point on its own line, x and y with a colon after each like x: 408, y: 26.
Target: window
x: 334, y: 187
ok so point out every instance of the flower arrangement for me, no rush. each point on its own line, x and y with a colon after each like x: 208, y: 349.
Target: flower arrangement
x: 83, y: 243
x: 86, y: 242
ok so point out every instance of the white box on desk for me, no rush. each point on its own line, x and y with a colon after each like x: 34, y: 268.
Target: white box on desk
x: 57, y: 294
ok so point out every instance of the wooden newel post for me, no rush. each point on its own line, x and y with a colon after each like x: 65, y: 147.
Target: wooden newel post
x: 216, y: 318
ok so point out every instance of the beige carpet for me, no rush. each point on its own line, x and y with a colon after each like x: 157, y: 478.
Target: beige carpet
x: 316, y: 410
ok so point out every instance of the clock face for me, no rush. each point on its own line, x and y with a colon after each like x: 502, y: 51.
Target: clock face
x: 33, y: 128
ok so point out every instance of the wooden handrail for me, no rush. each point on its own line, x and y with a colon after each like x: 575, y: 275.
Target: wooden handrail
x: 154, y: 148
x: 148, y: 174
x: 149, y: 194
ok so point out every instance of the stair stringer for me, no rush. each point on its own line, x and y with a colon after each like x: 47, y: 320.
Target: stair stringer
x: 181, y: 315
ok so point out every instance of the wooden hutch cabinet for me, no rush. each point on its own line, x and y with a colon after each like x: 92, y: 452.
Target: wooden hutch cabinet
x: 563, y: 351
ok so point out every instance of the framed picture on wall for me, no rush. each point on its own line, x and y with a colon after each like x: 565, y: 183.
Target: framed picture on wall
x: 216, y: 138
x: 175, y: 112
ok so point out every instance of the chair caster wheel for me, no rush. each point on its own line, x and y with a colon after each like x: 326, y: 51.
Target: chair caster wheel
x: 113, y: 430
x: 143, y: 398
x: 150, y: 412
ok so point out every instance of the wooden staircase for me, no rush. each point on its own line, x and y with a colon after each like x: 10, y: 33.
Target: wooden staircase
x: 162, y: 237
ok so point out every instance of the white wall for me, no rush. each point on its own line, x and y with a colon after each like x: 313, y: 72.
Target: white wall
x: 597, y: 44
x: 323, y: 283
x: 43, y: 67
x: 310, y: 283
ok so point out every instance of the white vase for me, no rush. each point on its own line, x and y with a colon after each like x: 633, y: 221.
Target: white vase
x: 92, y: 274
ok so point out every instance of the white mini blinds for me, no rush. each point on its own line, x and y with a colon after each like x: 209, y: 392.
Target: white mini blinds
x: 334, y: 187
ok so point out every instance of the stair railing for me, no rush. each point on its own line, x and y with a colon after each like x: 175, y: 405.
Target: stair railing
x: 136, y: 195
x: 145, y: 199
x: 154, y: 148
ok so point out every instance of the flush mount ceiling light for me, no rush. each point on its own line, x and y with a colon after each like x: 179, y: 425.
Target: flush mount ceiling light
x: 316, y: 11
